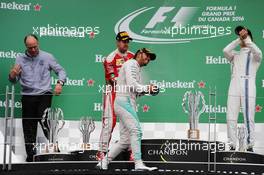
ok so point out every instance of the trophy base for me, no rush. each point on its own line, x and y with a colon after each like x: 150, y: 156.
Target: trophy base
x: 84, y: 155
x: 52, y: 157
x: 193, y: 134
x: 90, y: 155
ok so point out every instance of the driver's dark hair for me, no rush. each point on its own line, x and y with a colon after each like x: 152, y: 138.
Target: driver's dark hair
x: 30, y: 35
x: 136, y: 54
x: 250, y: 34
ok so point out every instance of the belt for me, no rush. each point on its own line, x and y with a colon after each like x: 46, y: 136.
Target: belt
x: 244, y: 76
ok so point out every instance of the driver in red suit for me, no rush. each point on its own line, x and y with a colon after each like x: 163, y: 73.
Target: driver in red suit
x: 112, y: 64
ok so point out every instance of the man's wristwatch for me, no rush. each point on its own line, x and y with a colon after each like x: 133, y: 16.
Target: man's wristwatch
x: 60, y: 82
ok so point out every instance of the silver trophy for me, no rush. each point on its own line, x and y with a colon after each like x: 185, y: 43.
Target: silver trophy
x: 241, y: 135
x: 87, y: 126
x: 194, y: 105
x: 53, y: 121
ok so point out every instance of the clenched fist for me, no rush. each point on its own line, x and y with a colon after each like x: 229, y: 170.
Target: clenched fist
x: 243, y: 34
x: 58, y: 89
x: 15, y: 71
x: 153, y: 90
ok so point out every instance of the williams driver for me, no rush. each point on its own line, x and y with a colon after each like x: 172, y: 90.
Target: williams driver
x: 242, y: 89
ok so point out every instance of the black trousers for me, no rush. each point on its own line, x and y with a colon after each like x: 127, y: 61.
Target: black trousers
x: 33, y: 107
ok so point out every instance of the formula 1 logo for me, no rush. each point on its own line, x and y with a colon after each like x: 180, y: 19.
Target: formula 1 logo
x: 168, y: 25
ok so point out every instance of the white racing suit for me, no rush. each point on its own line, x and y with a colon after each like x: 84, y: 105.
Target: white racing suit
x: 112, y: 65
x: 127, y: 89
x: 242, y: 89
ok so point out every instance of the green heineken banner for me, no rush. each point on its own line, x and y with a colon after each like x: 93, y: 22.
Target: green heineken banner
x: 187, y: 36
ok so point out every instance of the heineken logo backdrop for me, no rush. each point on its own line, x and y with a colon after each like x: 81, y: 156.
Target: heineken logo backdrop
x: 187, y: 36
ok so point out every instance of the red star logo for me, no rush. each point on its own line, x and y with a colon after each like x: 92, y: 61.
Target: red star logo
x: 201, y: 84
x: 91, y: 34
x: 145, y: 108
x: 90, y: 82
x: 258, y: 108
x: 37, y: 7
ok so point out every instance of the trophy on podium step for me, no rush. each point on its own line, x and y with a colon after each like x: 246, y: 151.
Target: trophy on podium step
x: 52, y: 122
x: 193, y: 104
x: 87, y: 126
x: 86, y: 152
